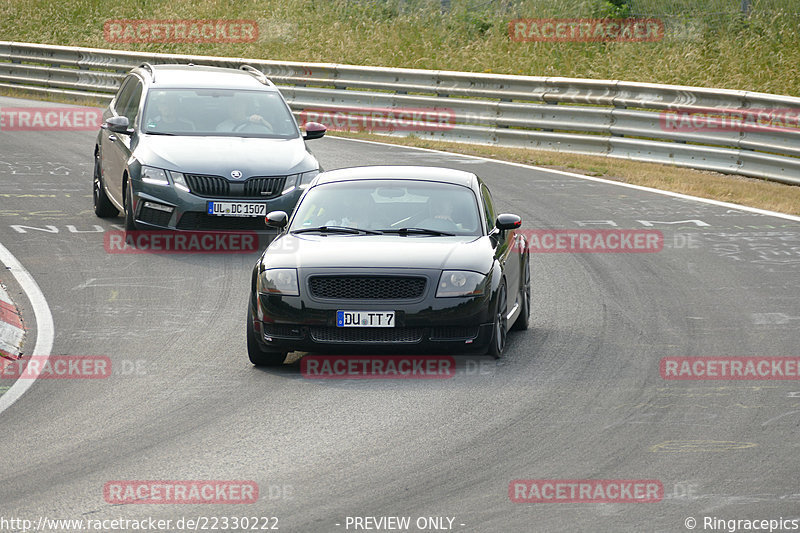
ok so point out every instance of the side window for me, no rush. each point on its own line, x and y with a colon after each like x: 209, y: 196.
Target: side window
x: 488, y: 208
x: 130, y: 108
x: 124, y: 94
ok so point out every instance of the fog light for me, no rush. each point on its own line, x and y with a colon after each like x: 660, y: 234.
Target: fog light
x: 159, y: 207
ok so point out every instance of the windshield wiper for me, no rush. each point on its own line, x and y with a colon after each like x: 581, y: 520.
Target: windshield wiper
x: 337, y: 229
x: 158, y: 133
x: 418, y: 231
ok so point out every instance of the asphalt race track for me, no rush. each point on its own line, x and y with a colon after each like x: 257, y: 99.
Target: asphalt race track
x: 579, y: 396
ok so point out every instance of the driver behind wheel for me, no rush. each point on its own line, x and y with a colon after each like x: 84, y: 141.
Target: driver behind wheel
x: 442, y: 215
x: 242, y: 117
x: 450, y: 214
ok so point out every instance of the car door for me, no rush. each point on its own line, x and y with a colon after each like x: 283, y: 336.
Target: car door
x: 505, y: 250
x: 116, y: 147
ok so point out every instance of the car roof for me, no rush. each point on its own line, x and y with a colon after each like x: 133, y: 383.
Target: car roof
x: 398, y: 172
x: 202, y: 77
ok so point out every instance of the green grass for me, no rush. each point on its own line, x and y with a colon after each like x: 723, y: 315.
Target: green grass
x: 701, y: 49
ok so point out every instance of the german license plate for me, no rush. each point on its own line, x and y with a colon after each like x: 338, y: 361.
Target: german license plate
x: 237, y: 209
x: 365, y: 319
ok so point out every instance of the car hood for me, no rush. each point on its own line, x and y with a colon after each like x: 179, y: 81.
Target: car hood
x: 219, y: 156
x: 380, y: 251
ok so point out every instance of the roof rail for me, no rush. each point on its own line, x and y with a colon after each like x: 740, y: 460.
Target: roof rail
x: 149, y: 67
x: 257, y: 74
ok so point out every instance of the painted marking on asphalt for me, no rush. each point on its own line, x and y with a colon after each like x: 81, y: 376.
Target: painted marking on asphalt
x: 45, y: 330
x: 772, y: 318
x: 700, y: 446
x: 773, y: 419
x: 729, y: 205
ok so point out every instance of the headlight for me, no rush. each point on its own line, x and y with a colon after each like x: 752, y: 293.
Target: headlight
x: 299, y: 180
x: 306, y: 177
x: 154, y: 176
x: 291, y: 183
x: 179, y: 180
x: 278, y: 281
x: 454, y: 283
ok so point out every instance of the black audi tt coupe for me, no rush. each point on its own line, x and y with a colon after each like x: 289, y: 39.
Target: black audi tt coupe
x: 390, y: 258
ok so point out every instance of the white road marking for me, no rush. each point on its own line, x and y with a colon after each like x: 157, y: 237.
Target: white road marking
x: 45, y: 330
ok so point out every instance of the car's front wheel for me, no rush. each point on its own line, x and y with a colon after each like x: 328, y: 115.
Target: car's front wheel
x: 130, y: 223
x: 258, y: 356
x: 525, y: 300
x: 499, y: 325
x: 103, y: 207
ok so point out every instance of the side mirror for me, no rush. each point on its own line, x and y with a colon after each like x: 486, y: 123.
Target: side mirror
x: 119, y: 125
x: 507, y: 221
x: 314, y: 130
x: 277, y: 219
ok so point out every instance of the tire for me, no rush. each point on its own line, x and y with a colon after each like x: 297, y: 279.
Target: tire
x: 103, y: 207
x: 521, y: 323
x: 499, y: 325
x: 257, y: 356
x: 130, y: 223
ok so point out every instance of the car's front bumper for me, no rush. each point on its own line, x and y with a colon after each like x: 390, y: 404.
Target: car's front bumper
x: 169, y: 208
x: 427, y: 325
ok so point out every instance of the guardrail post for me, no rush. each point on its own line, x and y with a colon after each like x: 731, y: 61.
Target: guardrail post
x: 616, y: 106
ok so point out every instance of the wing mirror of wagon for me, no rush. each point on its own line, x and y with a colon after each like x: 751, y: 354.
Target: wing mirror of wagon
x: 119, y: 125
x: 314, y: 130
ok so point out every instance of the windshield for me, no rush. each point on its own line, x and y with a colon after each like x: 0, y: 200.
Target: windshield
x: 226, y: 112
x: 390, y: 206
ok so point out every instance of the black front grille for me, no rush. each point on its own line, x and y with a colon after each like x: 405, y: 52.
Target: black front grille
x: 366, y: 287
x: 263, y: 187
x: 194, y: 220
x: 367, y: 335
x: 260, y: 187
x: 213, y: 186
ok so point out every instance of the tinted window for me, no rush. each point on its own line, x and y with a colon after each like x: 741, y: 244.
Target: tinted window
x: 390, y: 205
x: 488, y: 208
x: 124, y: 93
x: 226, y: 112
x: 130, y: 107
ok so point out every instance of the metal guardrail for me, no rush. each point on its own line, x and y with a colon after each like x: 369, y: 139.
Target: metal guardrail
x: 596, y: 117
